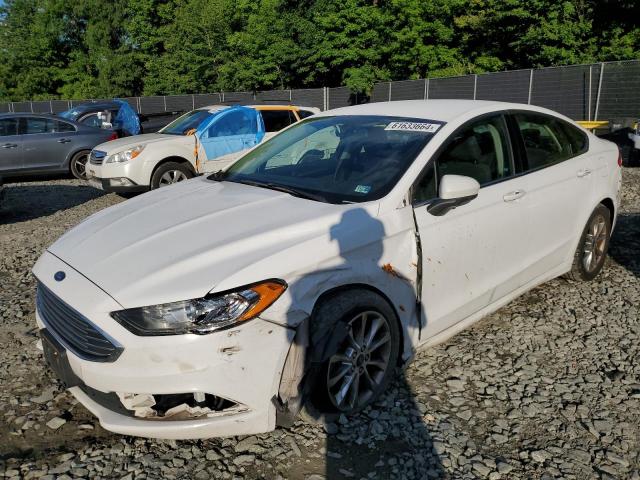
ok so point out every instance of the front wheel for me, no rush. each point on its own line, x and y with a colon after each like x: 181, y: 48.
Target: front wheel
x: 170, y: 173
x: 361, y: 365
x: 592, y: 248
x: 78, y: 165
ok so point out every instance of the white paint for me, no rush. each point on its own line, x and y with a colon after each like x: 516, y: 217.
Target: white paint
x: 458, y: 186
x: 159, y: 147
x: 204, y: 236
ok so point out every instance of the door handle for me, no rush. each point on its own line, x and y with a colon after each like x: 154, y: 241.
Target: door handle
x: 515, y: 195
x: 64, y: 140
x: 9, y: 145
x: 584, y: 172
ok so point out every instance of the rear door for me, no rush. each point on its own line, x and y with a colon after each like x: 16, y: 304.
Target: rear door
x: 470, y: 255
x: 559, y: 172
x: 10, y: 145
x: 48, y: 142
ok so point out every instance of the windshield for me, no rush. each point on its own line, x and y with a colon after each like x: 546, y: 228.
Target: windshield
x: 188, y: 121
x: 336, y: 159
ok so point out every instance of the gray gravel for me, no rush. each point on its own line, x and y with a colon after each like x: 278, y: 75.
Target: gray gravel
x: 548, y: 387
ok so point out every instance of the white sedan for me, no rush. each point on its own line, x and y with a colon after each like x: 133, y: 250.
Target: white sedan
x: 317, y: 264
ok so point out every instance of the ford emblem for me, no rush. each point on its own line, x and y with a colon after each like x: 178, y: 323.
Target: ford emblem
x: 59, y: 276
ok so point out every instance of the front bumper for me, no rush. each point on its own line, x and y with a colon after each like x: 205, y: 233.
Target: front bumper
x: 106, y: 185
x: 136, y: 171
x: 242, y: 365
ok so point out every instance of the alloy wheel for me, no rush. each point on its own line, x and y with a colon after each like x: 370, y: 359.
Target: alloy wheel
x: 595, y: 243
x: 80, y: 166
x: 170, y: 177
x: 357, y: 370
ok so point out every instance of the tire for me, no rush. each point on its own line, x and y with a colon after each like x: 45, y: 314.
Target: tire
x: 78, y: 164
x: 585, y: 267
x: 170, y: 173
x: 350, y: 310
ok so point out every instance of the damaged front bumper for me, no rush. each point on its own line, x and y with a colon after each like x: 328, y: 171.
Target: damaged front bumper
x: 173, y: 387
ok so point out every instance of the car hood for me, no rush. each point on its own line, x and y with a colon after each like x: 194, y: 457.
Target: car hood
x: 120, y: 144
x: 179, y: 242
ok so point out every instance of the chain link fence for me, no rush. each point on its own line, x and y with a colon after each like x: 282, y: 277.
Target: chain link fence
x: 583, y: 92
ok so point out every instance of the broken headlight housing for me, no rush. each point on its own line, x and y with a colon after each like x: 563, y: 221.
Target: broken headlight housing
x: 201, y: 315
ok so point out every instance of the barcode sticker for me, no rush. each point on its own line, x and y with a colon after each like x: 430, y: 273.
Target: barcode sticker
x: 413, y: 127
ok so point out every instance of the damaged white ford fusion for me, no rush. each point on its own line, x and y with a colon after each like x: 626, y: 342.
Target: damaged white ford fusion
x: 310, y: 270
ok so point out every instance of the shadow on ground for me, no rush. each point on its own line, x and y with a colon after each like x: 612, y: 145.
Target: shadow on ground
x: 23, y: 202
x: 625, y: 242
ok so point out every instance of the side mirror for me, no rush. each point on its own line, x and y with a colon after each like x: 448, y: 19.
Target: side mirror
x: 455, y: 190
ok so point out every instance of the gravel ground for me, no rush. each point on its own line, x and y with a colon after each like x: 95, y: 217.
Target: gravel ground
x: 547, y: 387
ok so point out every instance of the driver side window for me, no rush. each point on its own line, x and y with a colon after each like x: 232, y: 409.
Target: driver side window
x: 479, y: 150
x: 233, y: 123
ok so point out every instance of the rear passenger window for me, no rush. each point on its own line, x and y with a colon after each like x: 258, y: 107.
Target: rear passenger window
x: 38, y: 125
x: 480, y: 151
x: 577, y: 139
x: 548, y: 140
x: 63, y: 127
x: 8, y: 126
x: 276, y: 120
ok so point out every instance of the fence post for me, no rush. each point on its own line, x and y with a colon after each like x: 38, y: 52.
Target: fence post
x: 193, y: 102
x: 139, y: 104
x: 51, y: 105
x: 31, y: 104
x: 589, y: 97
x: 222, y: 97
x: 530, y: 86
x: 595, y: 115
x: 475, y: 85
x: 290, y: 96
x: 164, y: 100
x: 325, y: 98
x: 389, y: 91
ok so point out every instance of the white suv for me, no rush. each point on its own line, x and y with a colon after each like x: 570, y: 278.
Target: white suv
x: 203, y: 140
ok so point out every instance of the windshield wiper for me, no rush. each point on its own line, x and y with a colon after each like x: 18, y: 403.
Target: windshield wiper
x: 291, y: 191
x: 218, y: 176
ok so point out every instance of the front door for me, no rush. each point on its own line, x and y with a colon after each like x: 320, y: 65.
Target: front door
x: 48, y: 142
x: 470, y: 255
x: 10, y: 145
x: 229, y: 134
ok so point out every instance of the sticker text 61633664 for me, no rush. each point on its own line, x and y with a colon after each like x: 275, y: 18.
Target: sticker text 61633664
x: 413, y: 127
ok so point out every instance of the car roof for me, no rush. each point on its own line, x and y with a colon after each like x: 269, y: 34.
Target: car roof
x: 44, y: 115
x: 88, y: 106
x: 29, y: 114
x: 444, y: 110
x: 216, y: 108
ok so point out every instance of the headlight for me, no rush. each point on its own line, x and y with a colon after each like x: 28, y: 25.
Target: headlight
x: 125, y: 155
x: 201, y: 315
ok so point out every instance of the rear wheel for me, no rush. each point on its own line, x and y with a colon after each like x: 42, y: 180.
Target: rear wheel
x: 78, y: 164
x: 361, y: 365
x: 170, y: 173
x: 592, y: 248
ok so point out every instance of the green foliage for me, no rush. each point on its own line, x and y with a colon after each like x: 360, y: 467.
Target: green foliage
x: 93, y: 49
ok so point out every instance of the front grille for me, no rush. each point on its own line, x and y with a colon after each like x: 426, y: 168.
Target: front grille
x: 74, y: 330
x: 97, y: 157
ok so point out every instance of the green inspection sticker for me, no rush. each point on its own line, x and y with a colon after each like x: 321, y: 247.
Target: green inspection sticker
x: 363, y: 189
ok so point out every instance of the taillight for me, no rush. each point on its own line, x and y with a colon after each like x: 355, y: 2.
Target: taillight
x: 114, y: 136
x: 619, y: 158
